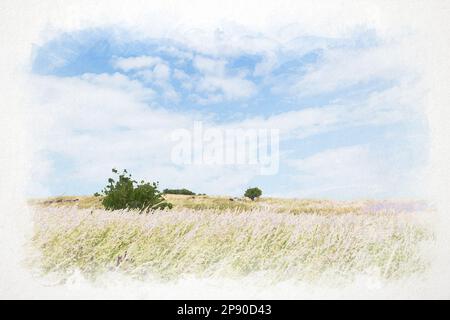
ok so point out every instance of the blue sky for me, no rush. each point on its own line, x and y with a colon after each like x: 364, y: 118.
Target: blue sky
x: 348, y: 110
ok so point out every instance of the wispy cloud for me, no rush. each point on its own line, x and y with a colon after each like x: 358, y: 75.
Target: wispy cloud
x: 342, y: 68
x: 133, y: 63
x: 306, y: 87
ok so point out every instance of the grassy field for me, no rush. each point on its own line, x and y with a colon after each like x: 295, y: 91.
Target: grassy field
x: 305, y: 240
x: 276, y: 205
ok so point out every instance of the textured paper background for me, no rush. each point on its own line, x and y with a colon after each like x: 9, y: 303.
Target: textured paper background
x: 24, y: 23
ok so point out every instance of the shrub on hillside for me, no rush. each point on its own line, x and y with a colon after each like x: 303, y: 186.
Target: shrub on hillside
x: 126, y: 193
x: 179, y: 191
x: 253, y: 193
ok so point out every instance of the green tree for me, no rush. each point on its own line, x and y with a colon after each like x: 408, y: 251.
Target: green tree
x: 179, y: 191
x: 126, y: 193
x: 253, y: 193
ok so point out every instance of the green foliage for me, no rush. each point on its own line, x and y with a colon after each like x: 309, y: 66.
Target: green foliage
x: 126, y: 193
x: 179, y: 191
x: 253, y: 193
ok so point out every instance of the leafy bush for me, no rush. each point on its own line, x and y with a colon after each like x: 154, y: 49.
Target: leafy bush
x: 179, y: 191
x: 126, y: 193
x: 253, y: 193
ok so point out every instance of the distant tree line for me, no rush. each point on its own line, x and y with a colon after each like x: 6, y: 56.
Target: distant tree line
x: 124, y: 192
x: 179, y: 191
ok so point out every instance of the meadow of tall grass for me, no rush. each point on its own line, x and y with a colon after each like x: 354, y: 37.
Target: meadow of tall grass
x: 298, y: 240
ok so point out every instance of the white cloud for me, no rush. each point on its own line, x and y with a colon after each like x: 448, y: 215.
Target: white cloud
x: 232, y: 88
x: 342, y: 68
x: 173, y: 51
x: 187, y: 82
x: 180, y: 75
x: 153, y: 71
x: 216, y: 85
x: 210, y: 66
x: 99, y: 121
x: 268, y: 63
x: 350, y: 162
x: 159, y: 74
x: 394, y: 105
x: 135, y: 63
x: 159, y: 78
x: 118, y: 81
x: 345, y: 172
x: 107, y: 116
